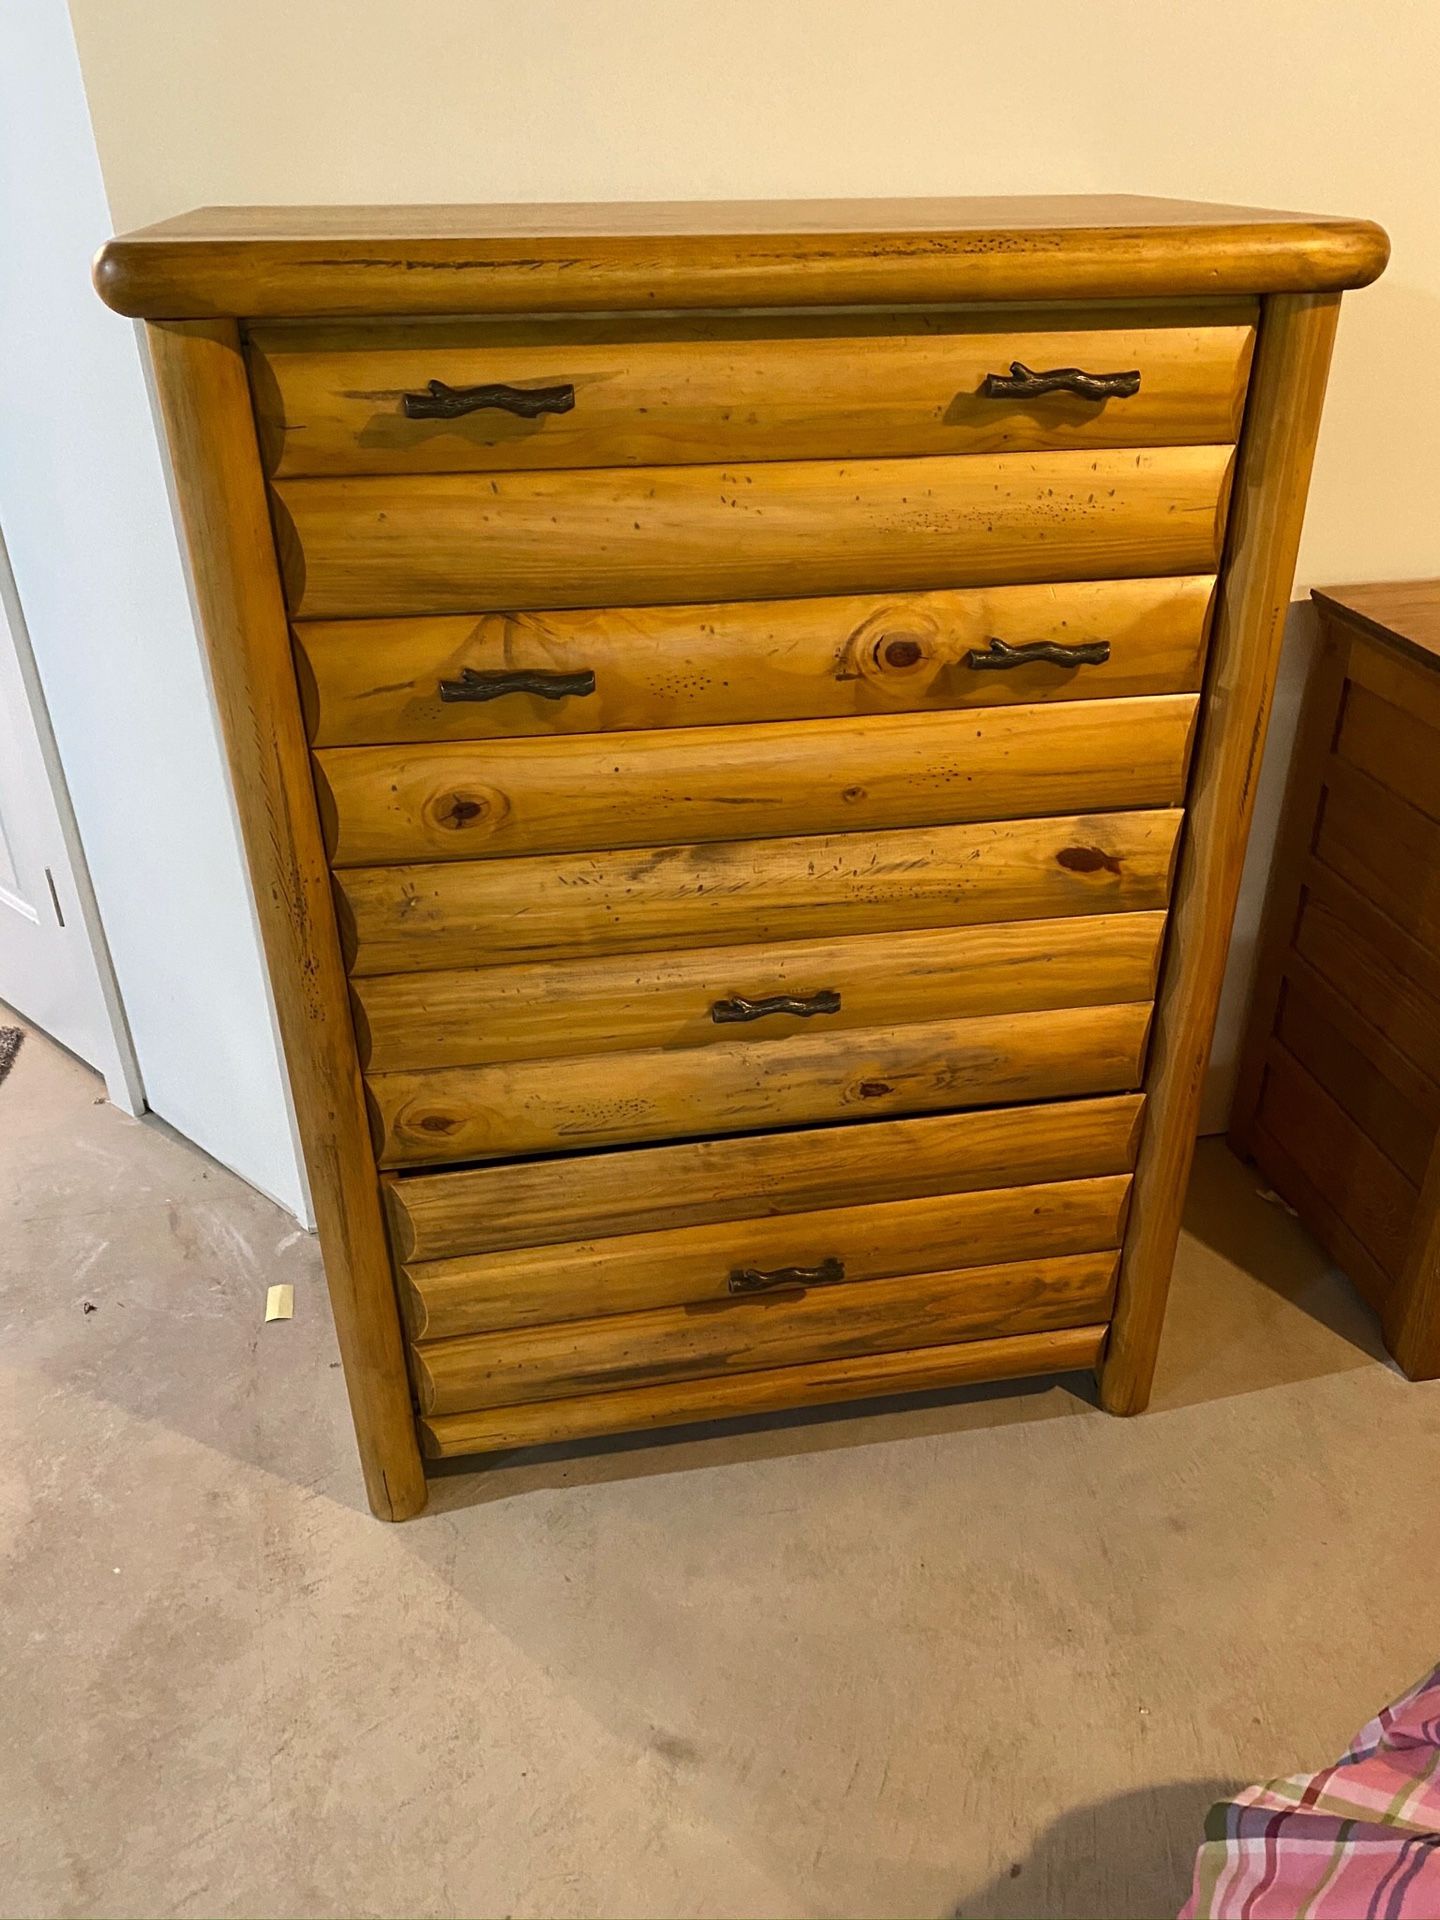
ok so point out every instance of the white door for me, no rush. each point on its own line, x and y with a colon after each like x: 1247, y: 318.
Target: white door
x: 53, y: 966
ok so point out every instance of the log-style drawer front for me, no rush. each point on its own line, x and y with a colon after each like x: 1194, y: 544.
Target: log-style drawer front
x: 599, y: 1100
x: 499, y: 675
x: 478, y: 913
x: 677, y: 1403
x: 790, y: 1253
x: 532, y: 1203
x: 394, y: 805
x: 472, y: 543
x: 483, y: 1016
x: 739, y: 1334
x: 449, y: 395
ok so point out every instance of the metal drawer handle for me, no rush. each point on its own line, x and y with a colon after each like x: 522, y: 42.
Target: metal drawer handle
x: 1000, y: 655
x: 1022, y: 384
x: 494, y: 686
x: 439, y: 402
x: 756, y: 1280
x: 724, y: 1012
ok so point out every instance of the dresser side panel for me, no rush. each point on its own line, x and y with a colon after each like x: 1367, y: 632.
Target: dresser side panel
x: 1276, y: 452
x: 205, y: 400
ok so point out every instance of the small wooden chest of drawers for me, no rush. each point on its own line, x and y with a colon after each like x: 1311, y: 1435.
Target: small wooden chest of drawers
x: 745, y: 722
x: 1338, y: 1099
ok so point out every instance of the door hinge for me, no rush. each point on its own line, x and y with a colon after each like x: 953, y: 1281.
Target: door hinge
x: 54, y: 896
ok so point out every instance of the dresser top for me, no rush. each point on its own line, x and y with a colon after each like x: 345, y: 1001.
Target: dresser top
x: 266, y: 262
x: 1404, y: 614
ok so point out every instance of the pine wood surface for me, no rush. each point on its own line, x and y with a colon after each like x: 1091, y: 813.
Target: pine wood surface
x: 1277, y: 449
x: 543, y: 1106
x: 578, y: 257
x: 741, y: 1335
x: 619, y: 536
x: 376, y: 681
x: 201, y: 380
x: 486, y: 1015
x: 527, y: 1203
x: 478, y: 913
x: 383, y: 806
x: 770, y: 552
x: 821, y: 1382
x: 742, y: 387
x: 629, y: 1273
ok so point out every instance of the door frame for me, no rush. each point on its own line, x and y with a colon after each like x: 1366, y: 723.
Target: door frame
x: 118, y: 1066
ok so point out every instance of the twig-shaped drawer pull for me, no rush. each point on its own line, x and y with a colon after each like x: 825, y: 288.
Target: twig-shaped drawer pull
x: 757, y: 1280
x: 1023, y: 384
x: 439, y: 402
x: 1000, y: 654
x: 473, y: 685
x: 725, y: 1011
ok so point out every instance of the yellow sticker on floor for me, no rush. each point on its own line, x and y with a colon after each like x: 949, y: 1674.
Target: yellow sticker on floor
x: 280, y: 1303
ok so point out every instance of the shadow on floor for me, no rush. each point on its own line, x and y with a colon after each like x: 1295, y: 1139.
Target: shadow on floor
x: 1129, y: 1858
x: 1256, y: 1304
x: 1225, y: 1210
x: 478, y: 1481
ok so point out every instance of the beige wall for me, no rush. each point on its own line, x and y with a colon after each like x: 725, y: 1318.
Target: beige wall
x: 1322, y: 105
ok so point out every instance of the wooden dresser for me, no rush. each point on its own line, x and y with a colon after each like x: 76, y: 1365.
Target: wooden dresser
x: 1338, y: 1099
x: 745, y: 720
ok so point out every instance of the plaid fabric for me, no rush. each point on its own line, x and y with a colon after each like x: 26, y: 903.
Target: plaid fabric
x: 1360, y: 1841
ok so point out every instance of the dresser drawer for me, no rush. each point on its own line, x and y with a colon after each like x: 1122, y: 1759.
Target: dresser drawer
x: 818, y: 1383
x: 468, y: 543
x: 739, y: 1335
x: 486, y: 1015
x: 782, y: 1254
x: 358, y: 399
x: 476, y: 913
x: 498, y: 675
x: 529, y: 1203
x: 384, y: 805
x: 541, y: 1106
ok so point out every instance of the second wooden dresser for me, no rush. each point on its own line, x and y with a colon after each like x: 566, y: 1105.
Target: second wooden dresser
x: 745, y: 721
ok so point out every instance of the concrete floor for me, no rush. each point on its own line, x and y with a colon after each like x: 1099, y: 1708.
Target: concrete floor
x: 992, y: 1655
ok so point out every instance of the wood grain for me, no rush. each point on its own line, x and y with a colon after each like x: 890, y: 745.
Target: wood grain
x: 540, y: 1106
x: 1277, y: 449
x: 631, y: 1273
x: 676, y: 389
x: 1387, y: 850
x: 741, y: 1336
x: 821, y: 1383
x: 533, y: 1202
x: 1417, y: 960
x: 1351, y: 1026
x: 325, y: 260
x: 1365, y: 1189
x: 485, y: 1015
x: 1400, y: 614
x: 385, y: 806
x: 465, y: 543
x: 1393, y: 1006
x: 1353, y: 1077
x: 1403, y: 678
x: 478, y: 913
x: 203, y: 396
x: 369, y: 682
x: 1392, y: 745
